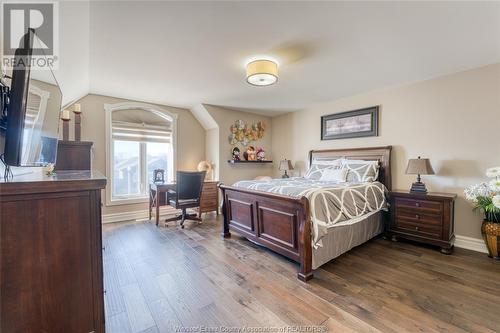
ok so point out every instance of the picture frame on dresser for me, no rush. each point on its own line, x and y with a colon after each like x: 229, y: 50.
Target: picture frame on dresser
x: 425, y: 218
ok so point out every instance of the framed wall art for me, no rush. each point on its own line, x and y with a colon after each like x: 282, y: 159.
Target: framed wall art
x: 350, y: 124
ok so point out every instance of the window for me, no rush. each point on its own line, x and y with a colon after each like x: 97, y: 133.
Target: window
x: 140, y: 140
x: 33, y: 123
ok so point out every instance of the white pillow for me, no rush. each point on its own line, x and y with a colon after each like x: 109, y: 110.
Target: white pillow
x: 318, y: 167
x: 334, y: 175
x: 361, y: 170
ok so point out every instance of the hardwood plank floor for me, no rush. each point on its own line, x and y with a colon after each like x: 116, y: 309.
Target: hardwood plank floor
x: 163, y: 279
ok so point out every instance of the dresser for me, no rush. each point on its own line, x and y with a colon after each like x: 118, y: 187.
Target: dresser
x: 426, y: 218
x: 51, y: 277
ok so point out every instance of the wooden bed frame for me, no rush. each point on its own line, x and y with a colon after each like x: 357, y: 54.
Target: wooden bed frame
x: 282, y: 223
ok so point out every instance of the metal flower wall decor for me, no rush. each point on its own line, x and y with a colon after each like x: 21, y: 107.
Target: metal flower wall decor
x: 245, y: 133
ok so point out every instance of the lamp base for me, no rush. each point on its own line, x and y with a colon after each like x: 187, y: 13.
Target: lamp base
x: 418, y: 187
x: 285, y: 175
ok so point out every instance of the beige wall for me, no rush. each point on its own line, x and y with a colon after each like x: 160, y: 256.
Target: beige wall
x: 212, y: 150
x: 190, y: 140
x: 453, y: 120
x: 229, y: 173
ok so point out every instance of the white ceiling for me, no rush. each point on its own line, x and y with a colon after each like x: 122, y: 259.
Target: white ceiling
x: 187, y: 53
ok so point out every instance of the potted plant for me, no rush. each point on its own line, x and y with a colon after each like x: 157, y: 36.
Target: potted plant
x: 486, y: 198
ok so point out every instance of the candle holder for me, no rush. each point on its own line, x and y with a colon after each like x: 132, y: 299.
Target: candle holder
x: 78, y: 122
x: 65, y: 129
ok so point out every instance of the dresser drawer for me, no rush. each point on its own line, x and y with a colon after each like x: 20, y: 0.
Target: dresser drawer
x: 435, y: 207
x: 418, y: 228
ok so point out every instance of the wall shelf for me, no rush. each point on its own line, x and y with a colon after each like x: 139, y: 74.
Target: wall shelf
x: 249, y: 162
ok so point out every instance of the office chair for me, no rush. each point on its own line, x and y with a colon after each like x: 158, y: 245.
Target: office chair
x: 186, y: 195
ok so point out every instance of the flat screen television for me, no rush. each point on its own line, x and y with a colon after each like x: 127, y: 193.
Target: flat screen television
x: 33, y: 112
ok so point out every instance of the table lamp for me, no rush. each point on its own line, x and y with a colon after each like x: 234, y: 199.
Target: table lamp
x: 285, y: 165
x: 419, y: 166
x: 207, y: 167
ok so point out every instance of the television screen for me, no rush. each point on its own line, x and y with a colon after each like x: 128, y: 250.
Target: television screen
x: 33, y: 113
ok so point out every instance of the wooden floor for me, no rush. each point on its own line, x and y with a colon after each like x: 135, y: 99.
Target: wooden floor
x: 165, y: 279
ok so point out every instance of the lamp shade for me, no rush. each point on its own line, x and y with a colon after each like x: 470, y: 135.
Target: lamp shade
x: 262, y: 72
x: 285, y: 165
x: 419, y: 166
x: 204, y: 166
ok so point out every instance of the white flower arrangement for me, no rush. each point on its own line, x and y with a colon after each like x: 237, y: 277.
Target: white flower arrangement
x: 493, y: 172
x: 49, y: 169
x: 486, y: 196
x: 496, y: 200
x: 494, y: 185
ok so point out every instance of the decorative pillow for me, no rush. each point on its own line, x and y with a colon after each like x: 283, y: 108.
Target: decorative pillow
x: 361, y: 171
x: 334, y: 175
x: 319, y: 166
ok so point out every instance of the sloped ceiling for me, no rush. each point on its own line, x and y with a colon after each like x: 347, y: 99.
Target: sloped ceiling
x: 73, y: 71
x: 189, y: 53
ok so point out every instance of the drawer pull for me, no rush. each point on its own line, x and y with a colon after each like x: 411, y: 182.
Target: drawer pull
x: 416, y: 228
x: 417, y: 204
x: 417, y: 216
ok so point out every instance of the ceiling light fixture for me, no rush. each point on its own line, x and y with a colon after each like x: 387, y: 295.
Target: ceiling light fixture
x: 262, y: 72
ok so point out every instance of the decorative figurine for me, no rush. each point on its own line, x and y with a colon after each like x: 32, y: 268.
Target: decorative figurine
x: 249, y: 154
x: 159, y: 176
x: 236, y: 154
x: 261, y: 154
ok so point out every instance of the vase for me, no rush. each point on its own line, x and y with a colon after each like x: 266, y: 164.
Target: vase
x: 491, y: 235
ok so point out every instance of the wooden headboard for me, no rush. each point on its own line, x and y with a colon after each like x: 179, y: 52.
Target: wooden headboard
x: 382, y: 154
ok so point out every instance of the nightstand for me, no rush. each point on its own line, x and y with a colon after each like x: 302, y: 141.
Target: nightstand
x: 426, y: 218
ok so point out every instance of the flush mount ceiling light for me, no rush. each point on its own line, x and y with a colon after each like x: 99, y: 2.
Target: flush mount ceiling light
x: 262, y: 72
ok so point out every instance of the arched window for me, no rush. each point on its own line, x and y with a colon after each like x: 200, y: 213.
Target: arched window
x: 140, y: 139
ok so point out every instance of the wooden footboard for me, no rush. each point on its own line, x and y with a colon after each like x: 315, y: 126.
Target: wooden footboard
x: 277, y: 222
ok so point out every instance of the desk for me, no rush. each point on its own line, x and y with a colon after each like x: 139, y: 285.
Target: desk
x: 209, y: 200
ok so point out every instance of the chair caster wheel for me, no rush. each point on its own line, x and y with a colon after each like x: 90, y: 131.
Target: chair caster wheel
x: 182, y: 227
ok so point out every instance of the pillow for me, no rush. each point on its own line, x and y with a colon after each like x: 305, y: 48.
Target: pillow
x: 361, y: 171
x: 334, y: 175
x: 318, y: 167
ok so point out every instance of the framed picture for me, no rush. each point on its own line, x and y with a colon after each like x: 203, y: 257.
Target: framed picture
x: 159, y: 176
x: 350, y: 124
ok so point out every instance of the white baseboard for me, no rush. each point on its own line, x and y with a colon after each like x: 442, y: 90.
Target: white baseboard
x: 469, y: 243
x: 135, y: 215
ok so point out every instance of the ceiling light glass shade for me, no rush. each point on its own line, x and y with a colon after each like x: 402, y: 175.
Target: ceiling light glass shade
x: 262, y: 72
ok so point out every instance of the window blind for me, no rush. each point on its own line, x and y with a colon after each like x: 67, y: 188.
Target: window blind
x: 126, y: 131
x: 32, y: 109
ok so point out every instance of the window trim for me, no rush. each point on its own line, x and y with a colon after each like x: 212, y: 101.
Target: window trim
x: 109, y: 109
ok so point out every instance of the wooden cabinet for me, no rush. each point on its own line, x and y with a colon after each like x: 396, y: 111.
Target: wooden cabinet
x: 74, y: 155
x: 51, y: 253
x: 427, y: 218
x: 209, y: 201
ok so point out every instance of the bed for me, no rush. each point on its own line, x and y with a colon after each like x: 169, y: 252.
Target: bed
x: 285, y: 215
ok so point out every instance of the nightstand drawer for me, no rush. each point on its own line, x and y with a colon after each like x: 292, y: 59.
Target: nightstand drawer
x: 418, y: 228
x: 209, y: 199
x: 418, y: 217
x: 420, y: 205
